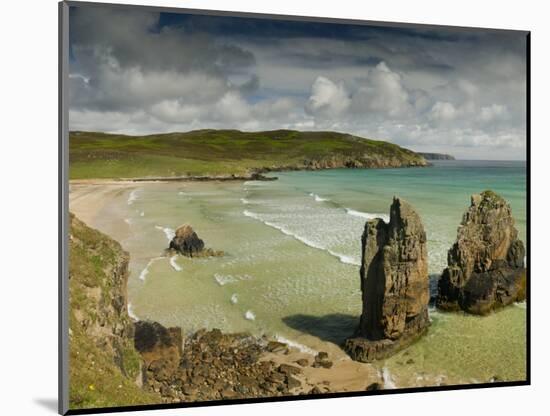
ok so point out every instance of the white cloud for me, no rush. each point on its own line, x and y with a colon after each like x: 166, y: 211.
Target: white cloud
x: 327, y: 98
x: 492, y: 112
x: 443, y: 111
x: 382, y: 92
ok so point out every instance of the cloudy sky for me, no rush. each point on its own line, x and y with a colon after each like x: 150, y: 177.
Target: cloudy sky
x: 452, y: 91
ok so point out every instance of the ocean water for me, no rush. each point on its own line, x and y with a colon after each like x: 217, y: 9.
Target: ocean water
x: 291, y: 267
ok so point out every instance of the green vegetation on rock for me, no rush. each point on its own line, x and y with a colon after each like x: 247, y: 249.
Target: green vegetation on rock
x: 103, y: 365
x: 226, y: 152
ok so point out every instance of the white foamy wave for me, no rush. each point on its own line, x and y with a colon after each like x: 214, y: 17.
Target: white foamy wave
x: 131, y: 313
x: 168, y: 232
x: 521, y: 305
x: 175, y: 265
x: 342, y: 257
x: 388, y: 379
x: 234, y: 299
x: 132, y: 197
x: 127, y: 221
x: 367, y: 215
x: 224, y: 279
x: 181, y: 193
x: 249, y: 315
x: 142, y: 214
x: 317, y: 197
x: 298, y: 346
x: 245, y: 201
x: 346, y: 259
x: 145, y: 271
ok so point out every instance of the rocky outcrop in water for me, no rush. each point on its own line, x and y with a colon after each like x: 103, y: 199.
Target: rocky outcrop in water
x: 394, y: 284
x: 187, y: 242
x: 485, y: 265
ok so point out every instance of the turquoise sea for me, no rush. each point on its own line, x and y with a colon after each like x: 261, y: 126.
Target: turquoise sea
x: 291, y: 267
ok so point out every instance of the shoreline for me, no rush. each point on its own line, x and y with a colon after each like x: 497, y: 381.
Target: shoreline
x: 258, y: 175
x: 88, y: 200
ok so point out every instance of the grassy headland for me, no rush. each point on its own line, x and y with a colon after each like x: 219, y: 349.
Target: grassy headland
x: 95, y: 155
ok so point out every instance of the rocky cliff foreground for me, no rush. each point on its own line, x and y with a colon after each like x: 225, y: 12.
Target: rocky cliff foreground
x: 104, y: 367
x: 394, y: 285
x: 486, y: 264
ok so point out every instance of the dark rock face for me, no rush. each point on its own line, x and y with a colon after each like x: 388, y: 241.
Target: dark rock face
x: 186, y: 241
x: 159, y: 347
x: 211, y: 366
x: 394, y: 284
x: 485, y: 265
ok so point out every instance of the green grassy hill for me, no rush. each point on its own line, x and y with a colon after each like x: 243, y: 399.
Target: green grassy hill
x: 226, y: 152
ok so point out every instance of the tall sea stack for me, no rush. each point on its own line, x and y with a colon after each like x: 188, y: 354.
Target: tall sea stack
x: 485, y: 265
x: 394, y: 285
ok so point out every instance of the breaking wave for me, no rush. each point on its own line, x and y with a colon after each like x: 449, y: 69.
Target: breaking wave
x: 249, y: 315
x: 168, y: 232
x: 131, y: 313
x: 145, y: 271
x: 175, y: 265
x: 132, y: 197
x: 342, y: 257
x: 224, y: 279
x: 389, y: 383
x: 318, y: 198
x: 366, y: 215
x: 294, y: 344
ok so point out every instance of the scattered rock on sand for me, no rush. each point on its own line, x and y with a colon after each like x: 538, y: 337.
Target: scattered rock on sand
x: 211, y: 366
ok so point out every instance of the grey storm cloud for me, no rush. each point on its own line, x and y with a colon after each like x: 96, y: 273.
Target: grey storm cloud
x: 455, y: 91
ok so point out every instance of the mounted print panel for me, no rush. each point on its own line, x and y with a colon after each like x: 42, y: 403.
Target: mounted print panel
x: 264, y: 208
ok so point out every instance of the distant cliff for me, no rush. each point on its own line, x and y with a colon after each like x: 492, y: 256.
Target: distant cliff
x: 227, y: 153
x: 436, y: 156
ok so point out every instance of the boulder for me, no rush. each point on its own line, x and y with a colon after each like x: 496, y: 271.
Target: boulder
x: 394, y: 285
x: 485, y: 265
x: 186, y: 241
x: 160, y: 348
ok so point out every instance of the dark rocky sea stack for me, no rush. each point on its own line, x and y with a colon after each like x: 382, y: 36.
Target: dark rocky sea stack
x: 485, y: 266
x: 186, y: 241
x: 394, y: 284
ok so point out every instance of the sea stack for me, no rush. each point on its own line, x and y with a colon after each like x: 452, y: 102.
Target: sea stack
x: 186, y: 241
x: 394, y: 285
x: 486, y: 264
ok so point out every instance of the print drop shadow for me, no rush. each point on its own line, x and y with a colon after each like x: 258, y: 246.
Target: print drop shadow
x: 335, y: 327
